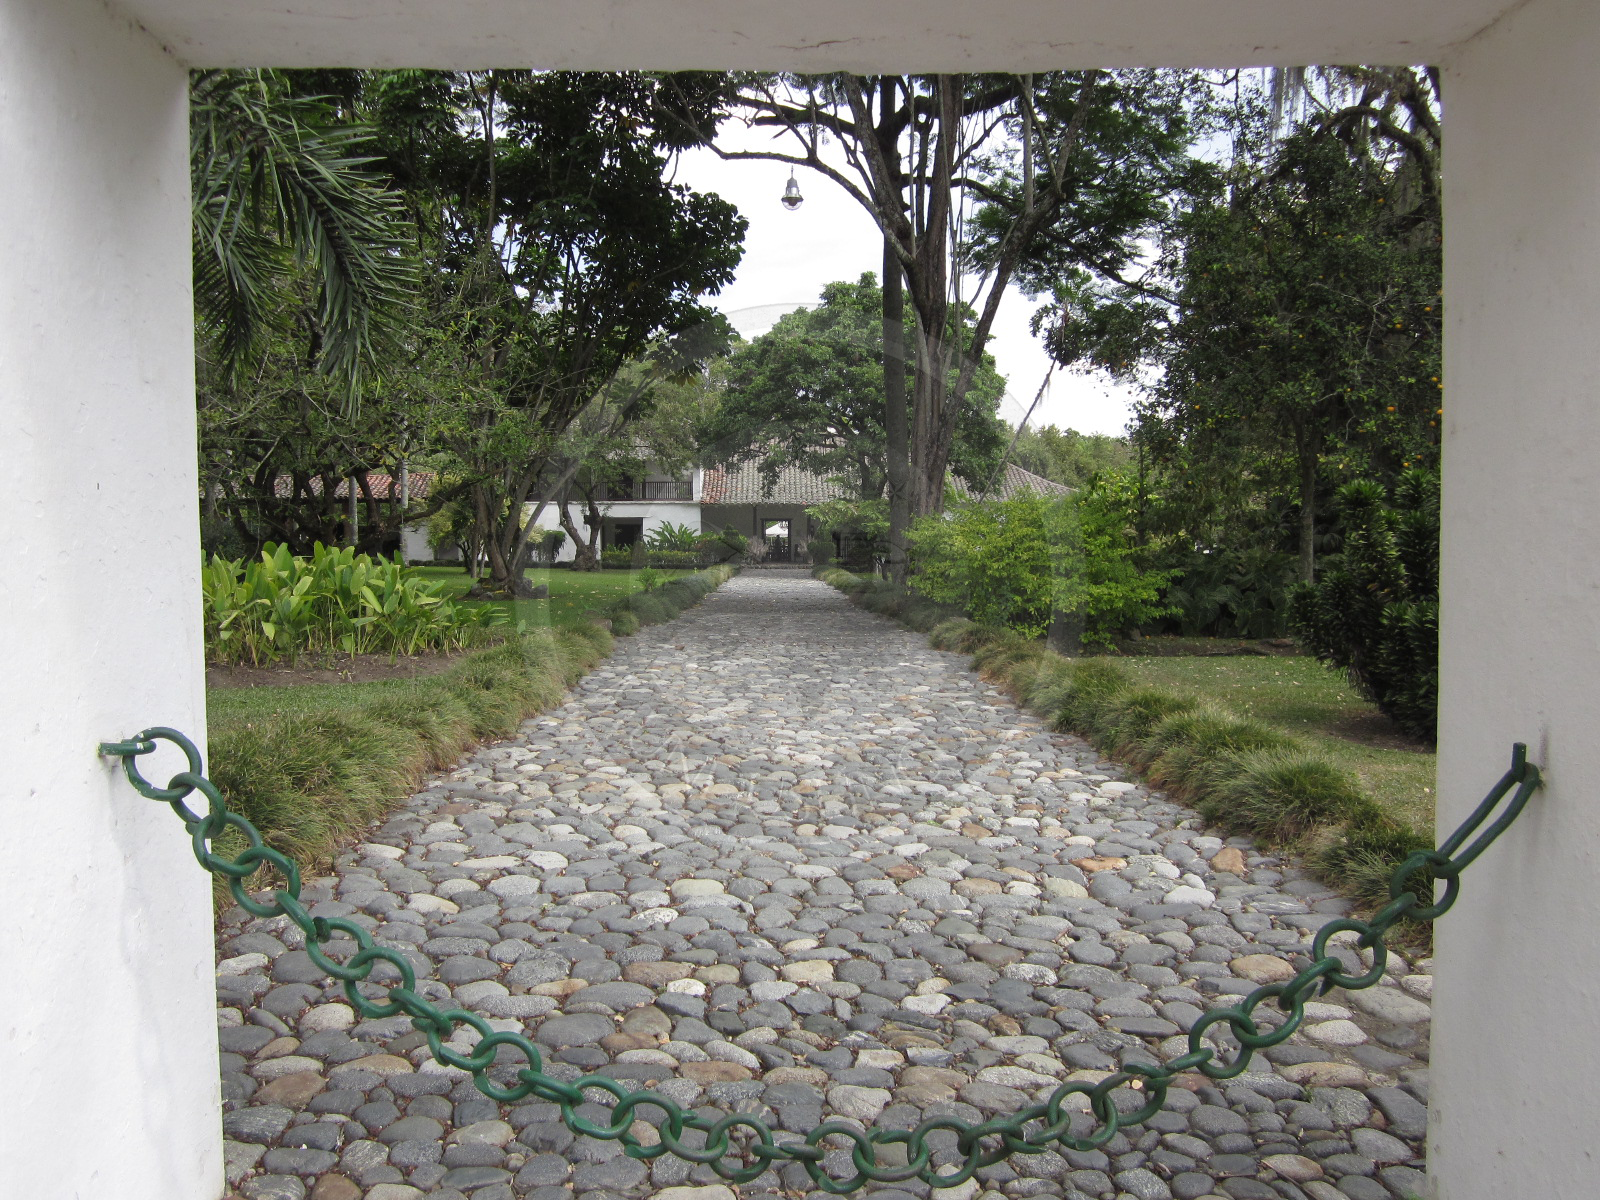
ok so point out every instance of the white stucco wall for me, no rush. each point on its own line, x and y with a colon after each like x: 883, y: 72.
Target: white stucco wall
x: 1516, y: 1051
x: 110, y: 1061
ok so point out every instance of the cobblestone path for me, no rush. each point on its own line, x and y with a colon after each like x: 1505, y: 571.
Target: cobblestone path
x: 779, y: 856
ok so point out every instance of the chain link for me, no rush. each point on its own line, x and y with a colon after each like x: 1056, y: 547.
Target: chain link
x: 740, y: 1146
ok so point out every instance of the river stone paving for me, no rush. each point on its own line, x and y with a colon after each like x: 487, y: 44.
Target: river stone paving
x: 780, y: 857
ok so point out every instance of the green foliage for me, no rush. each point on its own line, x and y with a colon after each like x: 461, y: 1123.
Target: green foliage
x: 1069, y: 457
x: 1374, y: 613
x: 862, y: 527
x: 650, y: 579
x: 280, y: 606
x: 810, y: 392
x: 284, y: 187
x: 992, y: 558
x: 1017, y: 562
x: 668, y: 536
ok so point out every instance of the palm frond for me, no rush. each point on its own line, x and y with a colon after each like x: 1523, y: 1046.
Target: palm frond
x: 278, y: 184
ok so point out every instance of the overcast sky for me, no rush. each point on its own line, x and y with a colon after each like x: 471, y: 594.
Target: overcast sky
x: 789, y: 256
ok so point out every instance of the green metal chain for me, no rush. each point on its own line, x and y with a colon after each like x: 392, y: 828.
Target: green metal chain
x: 740, y: 1146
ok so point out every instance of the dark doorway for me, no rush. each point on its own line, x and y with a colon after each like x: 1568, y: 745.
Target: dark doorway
x: 780, y: 547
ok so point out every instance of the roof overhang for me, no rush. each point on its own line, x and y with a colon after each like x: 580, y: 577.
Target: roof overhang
x: 809, y: 35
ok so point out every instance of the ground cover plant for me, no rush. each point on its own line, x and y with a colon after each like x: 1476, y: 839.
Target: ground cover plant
x: 312, y: 765
x: 574, y: 595
x: 1241, y: 771
x: 284, y: 606
x: 1316, y: 704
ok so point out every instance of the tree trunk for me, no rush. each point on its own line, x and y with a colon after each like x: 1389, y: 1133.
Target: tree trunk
x: 583, y: 558
x: 1308, y: 515
x: 895, y: 424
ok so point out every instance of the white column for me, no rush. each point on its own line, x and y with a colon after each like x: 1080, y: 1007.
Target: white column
x: 1516, y: 1048
x: 107, y: 1028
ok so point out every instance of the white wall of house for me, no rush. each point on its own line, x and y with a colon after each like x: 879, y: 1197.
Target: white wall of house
x: 1516, y: 1050
x: 110, y: 1063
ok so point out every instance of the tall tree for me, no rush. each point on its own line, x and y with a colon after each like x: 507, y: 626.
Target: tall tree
x: 1294, y: 315
x: 924, y: 154
x: 810, y: 392
x: 559, y: 250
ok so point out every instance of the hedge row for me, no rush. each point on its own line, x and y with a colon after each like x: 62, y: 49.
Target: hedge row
x: 310, y: 777
x: 1243, y: 774
x: 665, y: 602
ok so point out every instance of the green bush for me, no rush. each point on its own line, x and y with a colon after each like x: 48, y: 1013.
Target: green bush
x: 1018, y: 562
x: 1282, y: 795
x: 668, y: 536
x: 653, y: 606
x: 337, y: 601
x: 1375, y: 611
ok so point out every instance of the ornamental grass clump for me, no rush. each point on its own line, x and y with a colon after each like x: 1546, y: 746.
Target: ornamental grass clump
x: 281, y: 606
x: 1282, y: 795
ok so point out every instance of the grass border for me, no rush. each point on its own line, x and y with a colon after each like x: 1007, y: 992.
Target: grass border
x: 1245, y: 775
x: 309, y: 782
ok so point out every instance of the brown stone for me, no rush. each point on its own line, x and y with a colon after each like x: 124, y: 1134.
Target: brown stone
x: 381, y: 1064
x: 1325, y: 1074
x: 1106, y: 862
x: 714, y: 1072
x: 1262, y: 968
x: 1229, y: 859
x: 1005, y: 1026
x: 903, y: 871
x: 560, y: 988
x: 977, y: 887
x: 617, y: 1043
x: 975, y: 831
x: 648, y: 1020
x: 292, y: 1091
x: 934, y: 1077
x: 656, y: 974
x: 335, y: 1187
x: 278, y: 1047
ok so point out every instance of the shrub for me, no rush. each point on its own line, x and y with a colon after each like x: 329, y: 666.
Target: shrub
x: 1284, y: 794
x: 1375, y: 611
x: 668, y: 536
x: 1019, y: 562
x: 337, y: 601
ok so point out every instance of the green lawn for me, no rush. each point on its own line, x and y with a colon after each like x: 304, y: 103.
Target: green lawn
x: 1316, y: 703
x: 572, y: 593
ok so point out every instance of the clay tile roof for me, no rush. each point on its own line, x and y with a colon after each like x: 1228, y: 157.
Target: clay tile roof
x: 1017, y: 482
x: 742, y: 483
x: 384, y: 487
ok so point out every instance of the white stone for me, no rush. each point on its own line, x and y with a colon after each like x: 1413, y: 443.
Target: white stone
x: 1185, y: 894
x: 546, y: 860
x: 427, y: 902
x: 810, y: 970
x: 1420, y: 986
x: 508, y: 886
x: 1065, y: 888
x: 325, y: 1017
x: 1337, y: 1033
x: 1034, y: 973
x: 379, y: 850
x: 683, y: 888
x: 242, y: 964
x: 1391, y: 1004
x: 863, y: 1103
x: 772, y: 989
x: 687, y: 987
x: 933, y: 1002
x: 290, y: 1064
x: 659, y: 916
x: 494, y: 862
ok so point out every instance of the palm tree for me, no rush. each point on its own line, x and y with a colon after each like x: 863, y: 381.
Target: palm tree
x: 284, y: 190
